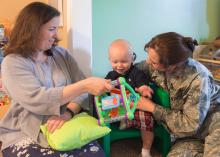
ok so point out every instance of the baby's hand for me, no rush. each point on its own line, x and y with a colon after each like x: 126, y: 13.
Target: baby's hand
x: 145, y: 91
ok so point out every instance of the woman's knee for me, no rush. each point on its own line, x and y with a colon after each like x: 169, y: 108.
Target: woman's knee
x: 187, y: 149
x: 212, y: 143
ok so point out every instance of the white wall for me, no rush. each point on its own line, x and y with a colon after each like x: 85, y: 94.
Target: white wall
x: 78, y: 21
x: 79, y: 27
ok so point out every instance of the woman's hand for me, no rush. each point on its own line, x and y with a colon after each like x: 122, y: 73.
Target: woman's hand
x: 145, y: 91
x: 92, y: 85
x: 97, y: 86
x: 145, y: 104
x: 56, y: 122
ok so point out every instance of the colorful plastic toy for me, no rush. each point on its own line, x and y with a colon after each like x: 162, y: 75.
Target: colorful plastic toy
x: 4, y: 100
x: 120, y: 104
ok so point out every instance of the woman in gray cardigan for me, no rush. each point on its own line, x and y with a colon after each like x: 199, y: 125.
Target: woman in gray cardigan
x: 41, y: 79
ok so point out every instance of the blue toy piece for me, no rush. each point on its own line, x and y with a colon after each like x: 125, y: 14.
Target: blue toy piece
x: 120, y: 105
x: 110, y: 102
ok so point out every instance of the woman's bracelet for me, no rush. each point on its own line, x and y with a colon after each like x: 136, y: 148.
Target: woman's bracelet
x: 70, y: 111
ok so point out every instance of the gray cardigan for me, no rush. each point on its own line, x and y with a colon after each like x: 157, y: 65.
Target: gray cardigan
x: 36, y: 91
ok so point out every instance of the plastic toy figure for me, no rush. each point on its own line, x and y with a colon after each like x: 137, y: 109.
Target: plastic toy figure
x: 121, y: 104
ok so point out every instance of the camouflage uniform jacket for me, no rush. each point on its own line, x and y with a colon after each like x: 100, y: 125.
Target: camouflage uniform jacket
x: 192, y: 95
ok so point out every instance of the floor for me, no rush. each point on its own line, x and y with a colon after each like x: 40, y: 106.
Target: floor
x: 129, y: 148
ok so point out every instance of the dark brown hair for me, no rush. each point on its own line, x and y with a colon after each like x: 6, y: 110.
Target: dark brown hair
x: 24, y: 35
x: 172, y: 47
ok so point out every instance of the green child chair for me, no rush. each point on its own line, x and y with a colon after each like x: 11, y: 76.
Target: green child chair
x: 161, y: 136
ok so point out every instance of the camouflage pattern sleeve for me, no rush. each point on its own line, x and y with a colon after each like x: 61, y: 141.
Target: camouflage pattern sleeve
x: 188, y: 108
x: 143, y: 67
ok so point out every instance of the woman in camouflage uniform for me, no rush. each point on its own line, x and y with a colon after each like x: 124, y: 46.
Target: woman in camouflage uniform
x: 194, y: 118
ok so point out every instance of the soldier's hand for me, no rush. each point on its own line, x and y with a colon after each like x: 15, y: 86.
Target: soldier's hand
x: 145, y: 91
x: 145, y: 104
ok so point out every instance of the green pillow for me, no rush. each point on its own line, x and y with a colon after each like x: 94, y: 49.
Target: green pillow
x: 75, y: 133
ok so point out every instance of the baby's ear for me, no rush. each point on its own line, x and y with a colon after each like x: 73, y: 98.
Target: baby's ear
x: 134, y: 56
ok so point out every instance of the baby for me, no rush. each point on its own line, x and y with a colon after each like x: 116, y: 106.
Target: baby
x: 121, y: 57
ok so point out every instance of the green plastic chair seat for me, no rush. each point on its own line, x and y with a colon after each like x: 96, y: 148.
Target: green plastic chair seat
x: 161, y: 136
